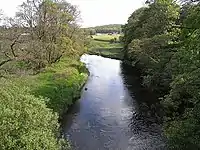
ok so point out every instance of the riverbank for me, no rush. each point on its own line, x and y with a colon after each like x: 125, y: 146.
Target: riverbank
x: 114, y: 53
x: 35, y: 104
x: 61, y: 83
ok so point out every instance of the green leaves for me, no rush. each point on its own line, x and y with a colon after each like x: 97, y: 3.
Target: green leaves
x: 167, y: 49
x: 25, y: 121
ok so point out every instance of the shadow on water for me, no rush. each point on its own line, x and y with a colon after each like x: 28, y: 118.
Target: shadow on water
x: 71, y: 114
x: 149, y: 111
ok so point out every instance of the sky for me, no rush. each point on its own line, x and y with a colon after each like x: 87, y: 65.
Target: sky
x: 93, y: 12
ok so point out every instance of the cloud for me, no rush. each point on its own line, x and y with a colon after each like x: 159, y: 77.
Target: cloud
x: 93, y: 12
x: 10, y: 6
x: 99, y: 12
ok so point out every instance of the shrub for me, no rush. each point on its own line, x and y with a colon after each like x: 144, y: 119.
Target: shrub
x: 112, y: 40
x: 25, y: 121
x: 184, y: 134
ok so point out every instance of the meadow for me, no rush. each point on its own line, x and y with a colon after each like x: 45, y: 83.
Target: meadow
x: 106, y: 37
x: 104, y: 45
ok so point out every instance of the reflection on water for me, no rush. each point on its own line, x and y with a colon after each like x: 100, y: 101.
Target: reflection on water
x: 115, y: 113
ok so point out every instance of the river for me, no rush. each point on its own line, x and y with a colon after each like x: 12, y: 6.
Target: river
x: 114, y: 111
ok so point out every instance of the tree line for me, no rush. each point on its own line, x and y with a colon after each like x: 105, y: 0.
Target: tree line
x: 105, y: 29
x: 162, y: 40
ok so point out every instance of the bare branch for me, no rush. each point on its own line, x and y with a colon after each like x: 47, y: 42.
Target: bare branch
x: 13, y: 44
x: 4, y: 62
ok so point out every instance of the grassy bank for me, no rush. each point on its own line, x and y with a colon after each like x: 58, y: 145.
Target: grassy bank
x: 61, y: 83
x: 115, y: 53
x: 31, y: 105
x: 101, y: 45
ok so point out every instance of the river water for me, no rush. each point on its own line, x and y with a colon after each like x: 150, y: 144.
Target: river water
x: 114, y: 111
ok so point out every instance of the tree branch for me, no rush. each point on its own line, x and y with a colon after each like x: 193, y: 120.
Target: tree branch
x: 5, y: 61
x: 13, y: 44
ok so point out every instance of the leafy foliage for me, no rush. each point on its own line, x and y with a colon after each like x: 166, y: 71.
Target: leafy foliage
x: 162, y: 40
x: 25, y: 121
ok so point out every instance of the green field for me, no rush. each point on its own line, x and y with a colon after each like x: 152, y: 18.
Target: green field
x: 115, y: 53
x: 101, y: 45
x: 106, y: 37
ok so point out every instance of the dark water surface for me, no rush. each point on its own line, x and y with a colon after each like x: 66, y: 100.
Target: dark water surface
x: 114, y: 112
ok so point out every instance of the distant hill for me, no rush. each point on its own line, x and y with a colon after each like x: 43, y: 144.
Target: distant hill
x: 111, y: 28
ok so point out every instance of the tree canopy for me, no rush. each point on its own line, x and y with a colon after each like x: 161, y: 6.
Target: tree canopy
x: 162, y: 39
x: 41, y: 33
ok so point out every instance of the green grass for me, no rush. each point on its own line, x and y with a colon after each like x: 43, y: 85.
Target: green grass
x: 115, y: 53
x: 106, y: 49
x: 61, y: 83
x: 31, y: 105
x: 106, y: 37
x: 103, y: 44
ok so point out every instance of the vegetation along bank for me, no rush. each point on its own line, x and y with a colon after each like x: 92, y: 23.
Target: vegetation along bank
x: 41, y: 74
x: 162, y: 40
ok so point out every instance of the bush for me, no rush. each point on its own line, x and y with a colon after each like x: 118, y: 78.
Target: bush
x: 25, y: 121
x: 184, y: 134
x: 112, y: 40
